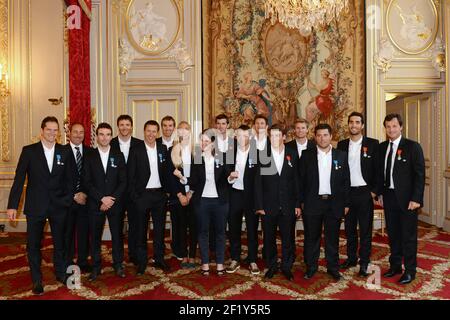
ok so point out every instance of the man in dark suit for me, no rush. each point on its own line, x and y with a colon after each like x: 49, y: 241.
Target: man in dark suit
x: 242, y: 201
x: 402, y: 168
x: 363, y: 164
x: 301, y: 142
x: 277, y: 200
x: 168, y: 125
x: 148, y: 188
x: 105, y: 178
x: 77, y: 224
x: 125, y: 143
x: 324, y: 194
x: 48, y: 169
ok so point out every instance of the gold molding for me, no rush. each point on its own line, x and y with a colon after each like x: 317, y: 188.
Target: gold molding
x: 131, y: 39
x: 4, y: 60
x: 435, y: 32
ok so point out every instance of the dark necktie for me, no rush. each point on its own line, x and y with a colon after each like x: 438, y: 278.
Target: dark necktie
x: 79, y: 163
x: 387, y: 175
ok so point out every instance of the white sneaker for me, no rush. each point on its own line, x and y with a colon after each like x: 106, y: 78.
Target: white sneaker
x: 233, y: 267
x: 254, y: 268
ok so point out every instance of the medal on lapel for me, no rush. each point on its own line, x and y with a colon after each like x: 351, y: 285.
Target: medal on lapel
x: 161, y: 160
x: 365, y: 152
x: 250, y: 163
x: 288, y: 158
x: 113, y: 165
x: 58, y: 160
x: 336, y: 164
x: 399, y: 154
x: 217, y: 162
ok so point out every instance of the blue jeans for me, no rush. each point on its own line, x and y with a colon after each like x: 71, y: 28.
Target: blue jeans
x: 211, y: 211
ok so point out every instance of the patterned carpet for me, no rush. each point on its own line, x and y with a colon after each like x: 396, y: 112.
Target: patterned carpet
x: 432, y: 280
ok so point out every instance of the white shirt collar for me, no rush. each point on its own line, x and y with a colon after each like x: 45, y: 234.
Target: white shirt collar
x: 170, y: 141
x: 73, y: 146
x: 304, y: 144
x: 106, y: 152
x: 396, y: 141
x: 47, y: 149
x: 150, y: 148
x: 322, y: 153
x: 276, y: 152
x: 124, y: 142
x: 357, y: 142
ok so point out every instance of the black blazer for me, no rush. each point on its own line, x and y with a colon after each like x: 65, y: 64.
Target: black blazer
x: 98, y: 184
x: 251, y: 169
x: 274, y: 192
x: 139, y: 169
x: 45, y: 191
x: 75, y: 174
x: 293, y: 145
x: 198, y: 176
x: 369, y: 160
x: 309, y: 182
x: 133, y: 144
x: 408, y: 173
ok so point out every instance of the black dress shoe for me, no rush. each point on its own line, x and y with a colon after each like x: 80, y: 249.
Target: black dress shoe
x: 120, y: 272
x: 270, y: 273
x: 406, y: 278
x: 335, y: 274
x: 348, y: 264
x: 392, y: 272
x: 141, y: 270
x: 309, y: 274
x: 162, y: 265
x: 38, y: 289
x: 62, y: 279
x: 288, y: 274
x: 363, y: 271
x: 93, y: 276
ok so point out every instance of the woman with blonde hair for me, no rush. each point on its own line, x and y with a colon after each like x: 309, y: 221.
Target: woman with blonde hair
x: 184, y: 233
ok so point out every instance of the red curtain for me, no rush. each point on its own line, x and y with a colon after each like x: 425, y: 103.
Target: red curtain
x: 79, y: 70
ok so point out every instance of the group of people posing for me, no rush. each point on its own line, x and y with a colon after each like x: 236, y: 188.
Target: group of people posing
x: 212, y: 184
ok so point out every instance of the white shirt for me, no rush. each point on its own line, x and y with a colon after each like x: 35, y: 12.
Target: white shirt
x: 354, y: 162
x: 324, y: 161
x: 125, y: 147
x: 104, y: 156
x: 241, y: 162
x: 394, y: 155
x: 222, y: 144
x: 153, y: 181
x: 49, y: 155
x: 261, y: 143
x: 301, y: 147
x: 186, y: 158
x: 279, y: 159
x: 210, y: 190
x: 167, y: 143
x: 80, y: 146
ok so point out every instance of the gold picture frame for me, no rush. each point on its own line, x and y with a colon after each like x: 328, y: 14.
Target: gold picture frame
x: 149, y: 50
x: 413, y: 26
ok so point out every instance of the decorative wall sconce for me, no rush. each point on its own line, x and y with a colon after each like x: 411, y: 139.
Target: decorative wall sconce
x: 438, y: 55
x: 4, y: 83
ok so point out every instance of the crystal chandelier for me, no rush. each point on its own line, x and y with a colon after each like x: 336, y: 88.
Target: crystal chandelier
x: 304, y: 14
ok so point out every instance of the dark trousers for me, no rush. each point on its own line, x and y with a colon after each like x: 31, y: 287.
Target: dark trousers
x: 283, y: 221
x: 402, y: 231
x: 132, y: 229
x: 151, y: 202
x: 184, y: 230
x: 35, y: 231
x: 211, y: 212
x: 360, y: 213
x: 115, y: 223
x: 313, y: 223
x: 238, y: 209
x: 77, y: 234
